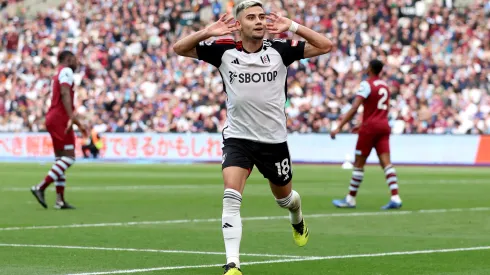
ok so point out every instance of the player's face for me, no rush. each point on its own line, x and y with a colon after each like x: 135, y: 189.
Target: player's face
x: 251, y: 23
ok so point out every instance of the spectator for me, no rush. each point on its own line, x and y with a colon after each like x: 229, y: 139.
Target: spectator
x: 437, y: 62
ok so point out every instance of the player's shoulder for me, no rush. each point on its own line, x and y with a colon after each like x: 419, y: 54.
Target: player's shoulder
x: 65, y: 71
x: 66, y: 75
x: 366, y: 84
x: 279, y: 43
x: 222, y: 43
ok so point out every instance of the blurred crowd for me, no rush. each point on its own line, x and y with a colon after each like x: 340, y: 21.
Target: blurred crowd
x: 436, y: 54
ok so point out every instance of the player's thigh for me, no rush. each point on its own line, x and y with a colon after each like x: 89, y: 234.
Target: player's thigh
x: 236, y: 164
x: 274, y: 163
x: 383, y: 149
x: 63, y: 143
x: 365, y: 142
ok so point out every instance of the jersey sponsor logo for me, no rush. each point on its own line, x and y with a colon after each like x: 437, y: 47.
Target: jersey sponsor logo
x: 253, y: 78
x: 233, y: 76
x: 294, y: 43
x: 265, y: 59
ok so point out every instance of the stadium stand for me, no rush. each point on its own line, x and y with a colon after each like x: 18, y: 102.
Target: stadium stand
x: 437, y: 56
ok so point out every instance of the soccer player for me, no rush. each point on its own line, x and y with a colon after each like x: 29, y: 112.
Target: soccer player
x: 374, y: 132
x: 59, y: 121
x: 254, y: 73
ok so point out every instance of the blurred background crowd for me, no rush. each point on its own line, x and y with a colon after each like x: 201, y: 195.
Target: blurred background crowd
x: 436, y: 54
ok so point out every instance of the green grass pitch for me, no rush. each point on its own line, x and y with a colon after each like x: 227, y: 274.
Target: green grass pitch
x: 164, y: 219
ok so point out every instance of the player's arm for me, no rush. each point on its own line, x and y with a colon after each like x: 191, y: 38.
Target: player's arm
x: 316, y: 44
x: 363, y: 93
x: 351, y: 113
x: 187, y: 45
x: 66, y: 79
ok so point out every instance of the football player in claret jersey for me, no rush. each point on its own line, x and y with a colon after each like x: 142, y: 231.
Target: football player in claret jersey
x: 254, y: 73
x: 59, y: 121
x: 374, y: 132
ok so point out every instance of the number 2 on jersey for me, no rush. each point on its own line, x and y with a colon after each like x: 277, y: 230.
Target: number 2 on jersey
x: 382, y: 101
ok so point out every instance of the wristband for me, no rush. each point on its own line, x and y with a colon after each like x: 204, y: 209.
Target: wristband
x: 293, y: 27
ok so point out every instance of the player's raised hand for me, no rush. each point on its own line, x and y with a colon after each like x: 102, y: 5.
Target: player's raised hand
x: 333, y: 133
x: 277, y: 23
x: 224, y: 26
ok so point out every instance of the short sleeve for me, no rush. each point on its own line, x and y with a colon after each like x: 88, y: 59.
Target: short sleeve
x: 290, y: 50
x: 212, y: 51
x: 364, y: 89
x: 66, y: 76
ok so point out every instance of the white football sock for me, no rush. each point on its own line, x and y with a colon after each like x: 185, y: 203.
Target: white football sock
x: 232, y: 225
x: 350, y: 199
x: 293, y: 203
x: 396, y: 198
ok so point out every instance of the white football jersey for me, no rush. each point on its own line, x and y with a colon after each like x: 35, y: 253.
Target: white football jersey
x: 255, y: 84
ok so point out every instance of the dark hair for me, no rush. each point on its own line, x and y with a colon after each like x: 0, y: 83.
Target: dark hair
x: 63, y: 55
x: 376, y: 66
x: 243, y: 6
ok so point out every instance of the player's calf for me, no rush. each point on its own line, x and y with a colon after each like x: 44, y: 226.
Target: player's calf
x: 232, y: 226
x: 293, y: 203
x: 57, y: 172
x: 350, y: 200
x: 56, y: 175
x: 392, y: 181
x: 60, y: 194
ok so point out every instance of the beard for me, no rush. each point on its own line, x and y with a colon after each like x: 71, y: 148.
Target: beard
x: 258, y: 36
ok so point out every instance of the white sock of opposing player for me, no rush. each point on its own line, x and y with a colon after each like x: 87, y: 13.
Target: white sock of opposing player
x: 232, y: 225
x: 293, y: 204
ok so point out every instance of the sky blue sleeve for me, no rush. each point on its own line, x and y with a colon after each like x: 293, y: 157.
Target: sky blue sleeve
x: 364, y: 89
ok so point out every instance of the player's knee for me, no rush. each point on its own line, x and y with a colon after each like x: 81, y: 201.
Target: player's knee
x: 232, y: 200
x: 360, y: 162
x: 292, y: 201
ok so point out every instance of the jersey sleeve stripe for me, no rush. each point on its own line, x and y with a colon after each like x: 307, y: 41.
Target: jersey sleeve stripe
x: 225, y: 43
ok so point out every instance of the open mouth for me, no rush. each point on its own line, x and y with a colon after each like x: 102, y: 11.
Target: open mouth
x: 258, y: 29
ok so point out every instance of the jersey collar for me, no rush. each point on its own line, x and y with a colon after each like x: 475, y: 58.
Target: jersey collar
x: 239, y: 46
